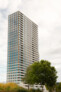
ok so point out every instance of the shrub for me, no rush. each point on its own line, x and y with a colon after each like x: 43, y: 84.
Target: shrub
x: 35, y: 90
x: 32, y: 90
x: 38, y: 90
x: 22, y: 90
x: 1, y: 86
x: 11, y: 87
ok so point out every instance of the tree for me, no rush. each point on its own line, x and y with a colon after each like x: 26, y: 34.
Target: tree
x: 58, y: 87
x: 41, y: 73
x: 31, y: 74
x: 49, y: 75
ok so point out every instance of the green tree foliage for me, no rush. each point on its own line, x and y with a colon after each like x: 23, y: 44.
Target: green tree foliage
x: 58, y: 87
x: 41, y: 73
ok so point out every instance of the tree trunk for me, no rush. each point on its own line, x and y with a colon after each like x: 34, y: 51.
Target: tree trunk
x: 28, y: 86
x: 42, y: 88
x: 50, y: 90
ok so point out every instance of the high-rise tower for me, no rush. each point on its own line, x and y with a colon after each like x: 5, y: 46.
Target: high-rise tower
x: 22, y: 46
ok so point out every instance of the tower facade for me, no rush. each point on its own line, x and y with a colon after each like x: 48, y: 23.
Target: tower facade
x: 22, y: 46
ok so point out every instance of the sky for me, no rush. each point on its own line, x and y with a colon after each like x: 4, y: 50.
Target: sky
x: 47, y: 15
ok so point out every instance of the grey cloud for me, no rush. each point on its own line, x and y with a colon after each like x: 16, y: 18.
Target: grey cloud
x: 4, y: 13
x: 56, y: 51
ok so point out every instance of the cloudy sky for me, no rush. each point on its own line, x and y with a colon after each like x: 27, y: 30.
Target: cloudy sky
x: 47, y: 15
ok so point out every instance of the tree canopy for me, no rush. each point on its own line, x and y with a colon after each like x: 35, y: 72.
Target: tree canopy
x: 41, y: 73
